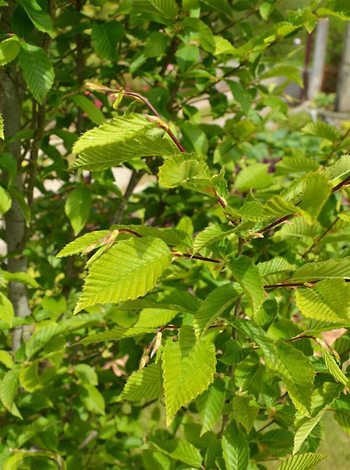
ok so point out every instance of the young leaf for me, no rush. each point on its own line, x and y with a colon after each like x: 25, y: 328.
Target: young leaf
x: 9, y: 50
x: 188, y: 369
x: 94, y: 113
x: 40, y: 18
x: 29, y: 378
x: 37, y: 70
x: 6, y: 309
x: 127, y: 271
x: 117, y: 141
x: 105, y: 38
x: 80, y: 244
x: 210, y: 404
x: 235, y: 448
x: 247, y: 275
x: 328, y: 300
x: 213, y: 306
x: 304, y: 430
x: 78, y: 208
x: 334, y: 369
x: 322, y: 130
x: 211, y: 234
x: 146, y: 384
x: 253, y: 177
x: 5, y: 201
x: 6, y: 359
x: 330, y: 269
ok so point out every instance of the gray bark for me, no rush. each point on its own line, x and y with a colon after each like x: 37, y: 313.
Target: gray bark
x: 342, y: 102
x: 319, y: 59
x: 10, y: 107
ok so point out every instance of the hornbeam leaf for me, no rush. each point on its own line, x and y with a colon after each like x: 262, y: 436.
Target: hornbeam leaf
x: 235, y: 448
x: 127, y: 271
x: 323, y: 130
x: 334, y: 369
x: 29, y: 378
x: 105, y: 38
x: 247, y: 275
x: 2, y: 135
x: 316, y: 189
x: 123, y: 138
x: 81, y: 243
x: 188, y: 370
x: 94, y: 113
x: 297, y: 164
x: 164, y: 8
x: 329, y: 300
x: 40, y: 18
x: 234, y: 353
x: 5, y: 201
x: 116, y: 334
x: 304, y: 430
x: 210, y: 404
x: 154, y: 317
x: 213, y: 306
x: 9, y: 50
x: 78, y: 207
x: 245, y: 410
x: 8, y: 391
x: 37, y: 70
x: 340, y: 169
x: 290, y: 364
x: 146, y: 384
x: 211, y: 234
x: 302, y: 462
x: 330, y: 269
x: 6, y: 309
x: 178, y: 300
x: 170, y: 236
x: 275, y: 266
x: 180, y: 449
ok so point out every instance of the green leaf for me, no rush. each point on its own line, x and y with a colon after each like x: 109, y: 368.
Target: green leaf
x: 235, y: 448
x: 341, y: 168
x: 40, y: 18
x: 290, y: 364
x: 289, y: 71
x: 2, y: 135
x: 316, y: 190
x: 253, y: 177
x: 213, y: 306
x: 180, y: 449
x: 80, y: 244
x: 302, y: 462
x: 94, y: 113
x: 178, y: 300
x: 6, y: 309
x: 29, y: 378
x: 86, y: 374
x: 127, y: 271
x: 153, y: 318
x: 92, y: 399
x: 275, y: 266
x: 330, y: 269
x: 211, y: 234
x: 8, y: 391
x: 188, y: 369
x: 9, y: 50
x: 234, y: 353
x: 186, y: 56
x: 116, y: 334
x: 21, y: 277
x: 334, y: 369
x: 170, y: 236
x: 222, y: 6
x: 146, y: 384
x: 240, y: 95
x: 43, y: 334
x: 165, y: 8
x: 188, y: 171
x: 5, y: 201
x: 37, y: 70
x: 156, y: 44
x: 245, y: 410
x: 298, y: 228
x: 247, y: 275
x: 297, y: 164
x: 14, y: 462
x: 105, y: 38
x: 323, y: 130
x: 77, y: 208
x: 6, y: 359
x: 210, y: 404
x: 123, y: 138
x: 328, y: 300
x: 200, y: 32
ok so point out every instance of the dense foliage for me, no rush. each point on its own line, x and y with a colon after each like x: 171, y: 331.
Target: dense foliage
x: 201, y: 299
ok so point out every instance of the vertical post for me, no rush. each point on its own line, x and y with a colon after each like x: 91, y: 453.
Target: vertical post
x: 342, y: 102
x: 319, y: 58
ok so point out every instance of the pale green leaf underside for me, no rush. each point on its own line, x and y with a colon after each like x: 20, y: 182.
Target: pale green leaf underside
x: 123, y: 138
x: 127, y: 271
x: 188, y: 369
x: 329, y: 300
x: 145, y: 384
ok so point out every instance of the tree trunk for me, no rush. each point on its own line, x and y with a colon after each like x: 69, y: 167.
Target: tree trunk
x: 10, y: 107
x: 319, y: 59
x: 342, y: 102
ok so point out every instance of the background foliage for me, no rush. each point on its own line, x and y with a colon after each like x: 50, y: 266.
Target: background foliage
x: 198, y: 340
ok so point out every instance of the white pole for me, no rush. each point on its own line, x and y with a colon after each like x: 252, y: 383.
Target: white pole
x: 319, y: 59
x: 342, y: 102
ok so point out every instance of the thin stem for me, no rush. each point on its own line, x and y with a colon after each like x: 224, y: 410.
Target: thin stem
x: 321, y: 237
